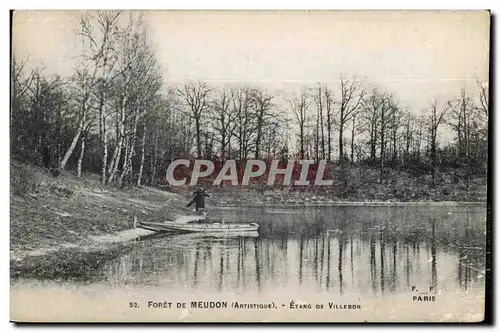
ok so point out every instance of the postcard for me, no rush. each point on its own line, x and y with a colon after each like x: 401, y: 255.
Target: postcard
x: 249, y: 166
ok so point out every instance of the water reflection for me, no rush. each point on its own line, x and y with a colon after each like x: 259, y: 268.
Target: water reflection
x: 341, y: 250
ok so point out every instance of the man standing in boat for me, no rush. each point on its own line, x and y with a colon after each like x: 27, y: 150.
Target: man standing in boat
x: 199, y: 199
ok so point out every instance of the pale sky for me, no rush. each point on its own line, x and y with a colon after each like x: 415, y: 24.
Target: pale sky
x: 416, y: 55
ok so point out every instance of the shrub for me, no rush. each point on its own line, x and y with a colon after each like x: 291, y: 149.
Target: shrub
x: 62, y: 191
x: 23, y: 181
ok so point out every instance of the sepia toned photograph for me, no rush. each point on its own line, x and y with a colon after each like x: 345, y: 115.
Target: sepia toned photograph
x: 249, y: 166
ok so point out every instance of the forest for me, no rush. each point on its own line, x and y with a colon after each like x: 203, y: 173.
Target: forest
x: 118, y: 116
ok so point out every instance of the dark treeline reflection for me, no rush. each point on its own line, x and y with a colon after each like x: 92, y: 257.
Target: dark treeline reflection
x: 340, y: 250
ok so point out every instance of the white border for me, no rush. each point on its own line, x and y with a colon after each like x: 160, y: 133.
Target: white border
x: 256, y: 4
x: 185, y: 4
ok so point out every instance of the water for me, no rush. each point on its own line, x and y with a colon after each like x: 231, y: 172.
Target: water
x: 342, y: 250
x: 378, y: 258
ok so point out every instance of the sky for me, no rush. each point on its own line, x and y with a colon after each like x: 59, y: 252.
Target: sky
x: 415, y: 55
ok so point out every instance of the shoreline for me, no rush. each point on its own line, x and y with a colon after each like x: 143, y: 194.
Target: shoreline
x: 78, y: 261
x: 72, y: 261
x: 347, y: 203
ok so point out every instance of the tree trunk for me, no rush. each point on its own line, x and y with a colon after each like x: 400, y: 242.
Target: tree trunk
x: 104, y: 153
x: 341, y: 140
x: 372, y: 143
x: 316, y: 141
x: 111, y: 165
x: 124, y: 169
x: 381, y: 162
x: 223, y: 147
x: 155, y: 156
x: 408, y: 140
x: 257, y: 144
x: 302, y: 152
x: 382, y: 145
x: 394, y: 152
x: 259, y: 134
x: 433, y: 155
x: 143, y: 148
x: 352, y: 138
x: 103, y: 134
x: 198, y: 136
x: 419, y: 143
x: 69, y: 152
x: 329, y: 134
x: 80, y: 159
x: 466, y: 157
x: 118, y: 149
x: 129, y: 151
x: 322, y: 125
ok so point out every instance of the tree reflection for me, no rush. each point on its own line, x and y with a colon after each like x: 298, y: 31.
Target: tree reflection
x: 196, y: 262
x: 257, y: 264
x: 341, y: 252
x: 352, y: 260
x: 328, y: 267
x: 301, y: 258
x: 394, y: 266
x: 323, y: 238
x: 373, y: 264
x: 382, y: 258
x: 388, y: 239
x: 433, y: 253
x: 408, y: 266
x: 471, y: 257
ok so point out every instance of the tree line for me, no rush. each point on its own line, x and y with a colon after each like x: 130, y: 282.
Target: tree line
x: 116, y: 115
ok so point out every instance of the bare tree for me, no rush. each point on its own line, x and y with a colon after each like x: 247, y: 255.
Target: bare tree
x: 244, y: 120
x: 353, y: 135
x: 351, y: 98
x: 21, y: 87
x: 396, y: 119
x: 196, y: 96
x: 329, y: 119
x: 299, y: 105
x: 319, y: 131
x: 169, y: 131
x: 127, y: 105
x: 223, y: 120
x: 85, y: 82
x: 321, y: 122
x: 409, y: 123
x: 434, y: 120
x: 263, y: 108
x: 463, y: 121
x: 483, y: 98
x: 372, y: 118
x: 147, y: 82
x: 385, y: 108
x: 101, y: 50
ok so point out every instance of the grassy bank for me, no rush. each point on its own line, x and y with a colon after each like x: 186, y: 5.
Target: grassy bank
x: 360, y: 185
x: 56, y: 223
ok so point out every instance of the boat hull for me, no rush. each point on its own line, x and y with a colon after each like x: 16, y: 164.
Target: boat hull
x: 199, y: 227
x: 199, y: 235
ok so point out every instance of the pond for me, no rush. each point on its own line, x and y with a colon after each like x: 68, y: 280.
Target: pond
x: 366, y: 250
x: 377, y: 257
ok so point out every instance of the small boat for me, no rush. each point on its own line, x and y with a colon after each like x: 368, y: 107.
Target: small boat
x: 198, y: 235
x: 199, y: 226
x: 205, y: 227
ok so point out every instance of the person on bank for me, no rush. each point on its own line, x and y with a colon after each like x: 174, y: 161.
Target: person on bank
x: 199, y: 199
